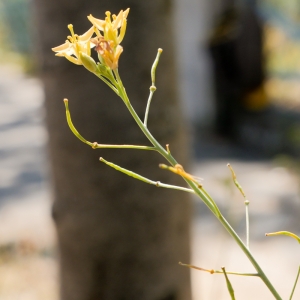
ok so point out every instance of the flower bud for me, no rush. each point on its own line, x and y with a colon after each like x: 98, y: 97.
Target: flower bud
x: 102, y: 70
x: 88, y: 62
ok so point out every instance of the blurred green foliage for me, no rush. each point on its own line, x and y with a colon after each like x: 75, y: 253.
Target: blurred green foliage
x: 282, y: 50
x: 16, y: 32
x: 290, y: 8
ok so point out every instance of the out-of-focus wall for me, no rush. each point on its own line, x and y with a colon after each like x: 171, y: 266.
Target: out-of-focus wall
x: 193, y: 21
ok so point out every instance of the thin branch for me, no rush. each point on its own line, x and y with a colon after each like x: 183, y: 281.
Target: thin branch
x: 218, y: 271
x: 95, y: 145
x: 293, y: 235
x: 246, y: 204
x: 144, y: 179
x: 152, y: 87
x: 294, y: 287
x: 109, y: 84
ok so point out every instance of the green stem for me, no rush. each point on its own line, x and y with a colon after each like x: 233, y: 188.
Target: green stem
x: 174, y: 187
x: 218, y: 271
x: 246, y: 202
x: 293, y: 235
x: 156, y: 144
x: 144, y: 179
x: 152, y: 90
x: 108, y: 83
x: 247, y: 252
x: 108, y: 146
x: 200, y: 192
x: 152, y: 87
x: 247, y: 224
x: 95, y: 145
x: 294, y: 287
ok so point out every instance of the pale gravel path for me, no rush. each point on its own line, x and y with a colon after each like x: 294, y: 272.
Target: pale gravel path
x: 28, y: 267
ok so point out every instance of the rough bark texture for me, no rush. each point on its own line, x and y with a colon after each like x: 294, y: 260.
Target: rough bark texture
x: 118, y: 238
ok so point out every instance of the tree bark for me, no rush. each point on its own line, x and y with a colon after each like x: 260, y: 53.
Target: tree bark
x: 119, y: 238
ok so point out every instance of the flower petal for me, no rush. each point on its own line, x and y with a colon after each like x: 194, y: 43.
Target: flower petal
x: 73, y: 60
x: 62, y: 48
x: 87, y: 35
x: 97, y: 22
x: 122, y: 31
x: 126, y: 12
x: 118, y: 21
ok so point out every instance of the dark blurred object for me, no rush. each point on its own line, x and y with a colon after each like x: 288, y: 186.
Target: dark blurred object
x: 244, y: 112
x: 271, y: 131
x: 119, y: 238
x: 236, y: 46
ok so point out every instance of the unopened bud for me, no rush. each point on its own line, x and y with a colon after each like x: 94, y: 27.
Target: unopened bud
x: 102, y: 69
x: 88, y: 62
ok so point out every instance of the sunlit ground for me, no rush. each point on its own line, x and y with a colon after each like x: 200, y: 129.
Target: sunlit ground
x: 28, y: 260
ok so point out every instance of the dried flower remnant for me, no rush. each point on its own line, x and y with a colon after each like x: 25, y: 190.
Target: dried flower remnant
x: 178, y: 169
x: 107, y: 52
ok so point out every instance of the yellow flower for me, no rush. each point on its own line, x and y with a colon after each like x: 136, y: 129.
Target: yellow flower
x: 74, y: 45
x: 110, y: 28
x: 108, y: 42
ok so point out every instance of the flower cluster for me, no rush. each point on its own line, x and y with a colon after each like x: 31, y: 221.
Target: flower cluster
x: 109, y: 34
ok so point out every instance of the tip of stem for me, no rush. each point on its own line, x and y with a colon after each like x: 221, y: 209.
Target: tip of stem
x: 168, y: 148
x: 66, y: 100
x: 160, y: 50
x: 101, y: 158
x: 228, y: 165
x: 163, y: 166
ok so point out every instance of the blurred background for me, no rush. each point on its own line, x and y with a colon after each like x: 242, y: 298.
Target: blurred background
x: 239, y: 85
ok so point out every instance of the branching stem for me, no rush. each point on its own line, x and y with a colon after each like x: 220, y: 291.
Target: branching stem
x: 246, y: 204
x: 200, y: 192
x: 218, y: 271
x: 144, y: 179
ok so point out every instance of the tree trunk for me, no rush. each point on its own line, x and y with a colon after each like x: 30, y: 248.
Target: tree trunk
x: 119, y: 238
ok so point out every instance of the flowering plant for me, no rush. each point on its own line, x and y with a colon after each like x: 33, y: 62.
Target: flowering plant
x: 105, y: 36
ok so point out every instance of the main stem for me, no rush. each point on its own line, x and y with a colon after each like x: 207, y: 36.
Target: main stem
x: 199, y: 192
x: 262, y: 275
